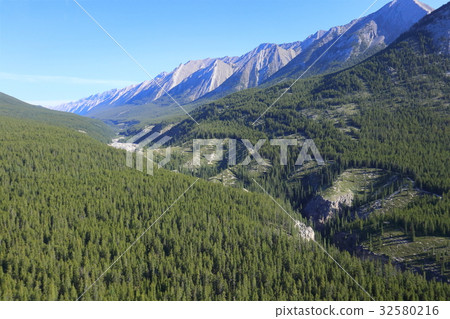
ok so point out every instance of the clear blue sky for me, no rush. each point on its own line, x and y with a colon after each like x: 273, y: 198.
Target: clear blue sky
x: 51, y: 51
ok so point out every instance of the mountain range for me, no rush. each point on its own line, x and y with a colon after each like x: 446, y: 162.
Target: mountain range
x: 377, y: 210
x: 211, y: 78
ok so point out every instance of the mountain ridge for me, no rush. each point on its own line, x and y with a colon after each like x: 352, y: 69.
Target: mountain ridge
x: 268, y: 63
x: 368, y: 34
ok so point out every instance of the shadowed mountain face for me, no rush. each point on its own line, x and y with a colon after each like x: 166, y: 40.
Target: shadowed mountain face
x: 268, y: 63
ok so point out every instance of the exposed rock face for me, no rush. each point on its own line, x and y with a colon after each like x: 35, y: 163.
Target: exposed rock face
x: 194, y: 79
x: 305, y: 232
x: 321, y: 210
x: 357, y: 39
x: 212, y: 78
x: 437, y: 26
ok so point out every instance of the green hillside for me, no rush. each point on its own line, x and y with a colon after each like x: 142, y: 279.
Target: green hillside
x: 12, y: 107
x: 69, y: 207
x: 390, y: 113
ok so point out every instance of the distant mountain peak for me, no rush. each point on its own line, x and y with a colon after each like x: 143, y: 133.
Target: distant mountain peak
x: 411, y: 2
x: 363, y: 37
x: 436, y: 26
x: 216, y: 77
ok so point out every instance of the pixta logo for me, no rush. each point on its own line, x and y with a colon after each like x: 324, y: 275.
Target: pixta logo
x: 137, y: 146
x: 253, y: 150
x: 139, y: 142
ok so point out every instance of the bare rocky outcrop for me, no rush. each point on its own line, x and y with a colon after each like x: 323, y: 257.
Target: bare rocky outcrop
x: 305, y: 231
x: 321, y: 210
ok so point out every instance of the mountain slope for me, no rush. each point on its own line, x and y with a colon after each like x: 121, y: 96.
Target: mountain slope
x: 70, y: 207
x: 357, y: 40
x: 374, y: 109
x: 213, y: 78
x: 192, y: 80
x: 257, y: 66
x: 388, y: 115
x: 13, y: 108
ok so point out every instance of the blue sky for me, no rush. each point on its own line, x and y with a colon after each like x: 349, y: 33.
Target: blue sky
x: 50, y: 51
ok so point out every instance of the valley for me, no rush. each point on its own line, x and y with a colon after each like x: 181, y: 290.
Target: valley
x: 84, y: 218
x: 373, y: 169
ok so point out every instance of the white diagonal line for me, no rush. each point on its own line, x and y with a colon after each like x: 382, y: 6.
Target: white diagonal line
x: 161, y: 142
x: 295, y: 221
x: 134, y: 138
x: 362, y: 288
x: 136, y: 240
x: 132, y: 58
x: 149, y: 139
x: 315, y: 61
